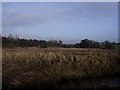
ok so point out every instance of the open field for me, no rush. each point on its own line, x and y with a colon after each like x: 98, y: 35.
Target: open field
x: 50, y: 67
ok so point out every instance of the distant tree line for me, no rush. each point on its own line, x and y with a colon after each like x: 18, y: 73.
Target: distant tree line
x: 94, y: 44
x: 12, y: 41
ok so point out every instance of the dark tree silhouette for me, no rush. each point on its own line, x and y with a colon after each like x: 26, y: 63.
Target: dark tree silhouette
x: 12, y: 41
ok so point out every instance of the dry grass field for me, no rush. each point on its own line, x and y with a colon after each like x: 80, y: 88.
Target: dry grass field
x: 49, y: 67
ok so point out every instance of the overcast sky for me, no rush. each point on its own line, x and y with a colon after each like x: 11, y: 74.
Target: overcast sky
x: 70, y: 22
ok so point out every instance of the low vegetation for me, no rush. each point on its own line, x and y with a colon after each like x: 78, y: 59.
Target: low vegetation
x: 48, y: 67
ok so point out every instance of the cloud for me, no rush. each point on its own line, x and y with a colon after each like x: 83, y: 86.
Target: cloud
x: 20, y: 20
x: 23, y: 14
x: 30, y: 15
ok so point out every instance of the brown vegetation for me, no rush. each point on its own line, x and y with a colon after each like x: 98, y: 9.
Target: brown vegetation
x: 45, y: 67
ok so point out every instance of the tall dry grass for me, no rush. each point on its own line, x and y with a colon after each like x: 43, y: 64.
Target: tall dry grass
x: 38, y: 67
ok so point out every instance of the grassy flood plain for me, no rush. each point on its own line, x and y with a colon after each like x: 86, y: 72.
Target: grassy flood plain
x: 52, y: 67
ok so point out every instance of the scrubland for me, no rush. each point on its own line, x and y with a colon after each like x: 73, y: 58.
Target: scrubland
x: 50, y: 67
